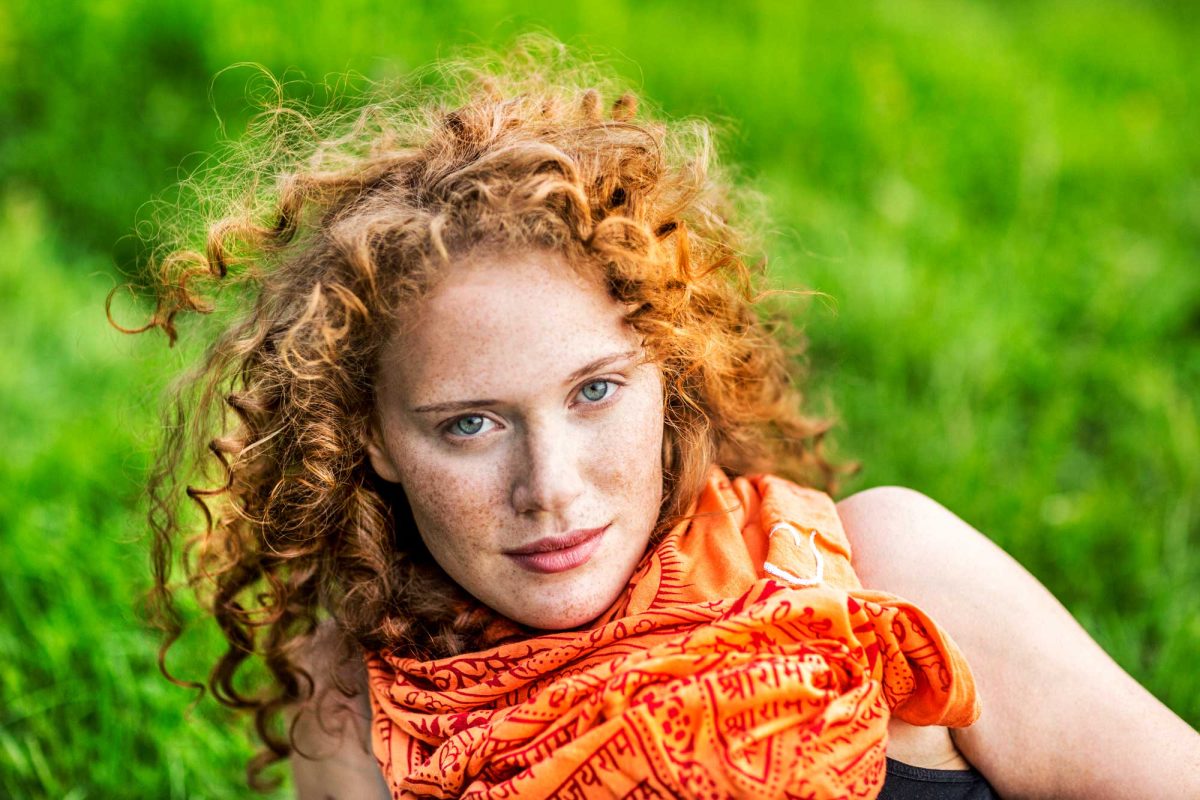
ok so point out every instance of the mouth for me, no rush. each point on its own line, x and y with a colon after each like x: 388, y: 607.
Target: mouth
x: 559, y: 553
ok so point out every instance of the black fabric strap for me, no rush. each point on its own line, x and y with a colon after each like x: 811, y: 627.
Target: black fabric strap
x: 906, y: 782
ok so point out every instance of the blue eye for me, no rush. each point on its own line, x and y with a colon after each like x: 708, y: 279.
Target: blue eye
x: 469, y: 425
x: 596, y: 391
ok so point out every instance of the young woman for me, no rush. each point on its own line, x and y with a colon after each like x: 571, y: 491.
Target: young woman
x: 507, y: 484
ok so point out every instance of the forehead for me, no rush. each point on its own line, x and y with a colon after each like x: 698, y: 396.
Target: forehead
x: 501, y: 324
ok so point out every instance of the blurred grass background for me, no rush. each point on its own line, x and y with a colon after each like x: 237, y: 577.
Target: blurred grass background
x: 1000, y: 200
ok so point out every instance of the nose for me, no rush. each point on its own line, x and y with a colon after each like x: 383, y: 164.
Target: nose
x: 549, y: 479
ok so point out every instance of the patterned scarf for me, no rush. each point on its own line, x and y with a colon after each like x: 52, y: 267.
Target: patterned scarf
x: 743, y: 660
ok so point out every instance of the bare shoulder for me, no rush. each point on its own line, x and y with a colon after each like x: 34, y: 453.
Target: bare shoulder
x: 1042, y: 680
x: 885, y: 513
x: 900, y: 537
x: 331, y: 729
x: 882, y: 497
x: 897, y: 511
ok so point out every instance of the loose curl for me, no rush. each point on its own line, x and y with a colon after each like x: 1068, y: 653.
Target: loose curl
x: 339, y: 226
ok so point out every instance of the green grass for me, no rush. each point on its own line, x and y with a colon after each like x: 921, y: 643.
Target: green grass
x: 83, y: 711
x: 999, y: 200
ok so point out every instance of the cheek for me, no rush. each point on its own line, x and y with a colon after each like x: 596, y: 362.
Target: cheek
x: 453, y: 506
x: 633, y: 452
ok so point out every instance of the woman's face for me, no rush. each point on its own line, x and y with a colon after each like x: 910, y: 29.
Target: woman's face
x: 526, y: 430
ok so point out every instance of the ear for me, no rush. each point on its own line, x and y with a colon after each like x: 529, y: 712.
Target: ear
x: 379, y: 454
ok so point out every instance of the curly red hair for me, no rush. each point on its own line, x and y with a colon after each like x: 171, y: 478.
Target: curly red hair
x: 360, y: 216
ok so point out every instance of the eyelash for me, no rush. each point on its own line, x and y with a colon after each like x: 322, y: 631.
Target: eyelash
x: 448, y: 428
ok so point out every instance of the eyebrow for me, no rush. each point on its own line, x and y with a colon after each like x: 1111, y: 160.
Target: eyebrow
x: 600, y: 363
x: 591, y: 366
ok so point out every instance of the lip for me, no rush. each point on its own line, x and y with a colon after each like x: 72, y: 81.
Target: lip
x: 559, y: 553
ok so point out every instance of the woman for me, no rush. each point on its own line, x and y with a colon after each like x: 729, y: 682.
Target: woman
x: 502, y: 404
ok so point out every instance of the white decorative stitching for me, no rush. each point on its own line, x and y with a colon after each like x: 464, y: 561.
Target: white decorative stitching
x: 783, y: 574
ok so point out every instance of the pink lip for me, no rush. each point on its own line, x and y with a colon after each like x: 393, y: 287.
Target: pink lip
x: 559, y: 553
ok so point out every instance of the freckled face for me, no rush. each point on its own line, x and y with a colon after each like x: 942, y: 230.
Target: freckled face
x: 526, y: 432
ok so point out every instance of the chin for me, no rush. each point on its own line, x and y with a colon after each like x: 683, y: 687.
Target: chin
x: 561, y: 616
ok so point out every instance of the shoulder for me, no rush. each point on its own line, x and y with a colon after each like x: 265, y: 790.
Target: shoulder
x: 897, y: 522
x: 905, y: 542
x: 331, y: 730
x: 888, y: 505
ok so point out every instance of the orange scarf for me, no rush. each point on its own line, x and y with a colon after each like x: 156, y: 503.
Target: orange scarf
x: 742, y: 660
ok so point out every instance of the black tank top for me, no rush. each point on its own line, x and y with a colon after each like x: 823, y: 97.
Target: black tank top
x: 906, y: 782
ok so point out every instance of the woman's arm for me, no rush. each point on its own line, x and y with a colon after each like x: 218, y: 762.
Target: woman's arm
x: 1060, y: 718
x: 333, y: 757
